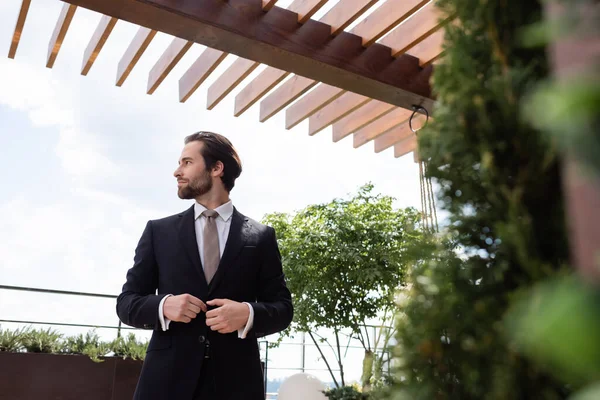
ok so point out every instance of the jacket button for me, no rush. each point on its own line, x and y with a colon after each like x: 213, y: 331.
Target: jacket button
x: 201, y: 339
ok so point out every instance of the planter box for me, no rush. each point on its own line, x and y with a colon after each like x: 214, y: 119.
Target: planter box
x: 32, y: 376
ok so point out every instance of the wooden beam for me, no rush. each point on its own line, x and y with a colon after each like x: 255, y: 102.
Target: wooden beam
x: 167, y: 62
x: 335, y: 111
x: 412, y: 31
x: 134, y: 52
x: 360, y: 118
x: 304, y: 107
x: 236, y: 73
x: 242, y: 28
x: 374, y: 26
x: 60, y: 31
x: 317, y: 100
x: 339, y: 17
x: 293, y: 88
x: 103, y: 30
x: 385, y: 18
x: 405, y: 146
x: 392, y: 136
x: 19, y: 28
x: 380, y: 126
x: 255, y: 90
x: 201, y: 69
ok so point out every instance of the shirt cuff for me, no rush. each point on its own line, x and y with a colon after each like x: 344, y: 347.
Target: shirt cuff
x: 164, y: 322
x: 243, y: 332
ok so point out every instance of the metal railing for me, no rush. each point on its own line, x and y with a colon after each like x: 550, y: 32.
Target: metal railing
x: 119, y: 327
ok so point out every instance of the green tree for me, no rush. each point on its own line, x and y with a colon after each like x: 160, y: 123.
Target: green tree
x: 344, y: 261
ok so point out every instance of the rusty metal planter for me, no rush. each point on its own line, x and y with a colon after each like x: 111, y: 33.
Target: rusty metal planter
x: 28, y: 376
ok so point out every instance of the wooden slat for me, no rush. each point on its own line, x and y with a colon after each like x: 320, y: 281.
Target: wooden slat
x: 293, y: 88
x: 306, y: 8
x: 201, y: 69
x: 385, y: 18
x: 304, y: 107
x: 405, y: 146
x: 241, y: 27
x: 268, y: 4
x: 236, y: 73
x: 60, y: 31
x: 103, y: 31
x: 359, y: 118
x: 19, y: 28
x: 134, y: 52
x: 380, y: 125
x: 255, y: 90
x: 391, y: 137
x: 346, y: 12
x: 167, y: 62
x: 335, y: 111
x: 340, y: 16
x: 422, y: 24
x: 429, y: 49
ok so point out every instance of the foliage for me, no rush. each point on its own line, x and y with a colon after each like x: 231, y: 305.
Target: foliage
x: 88, y: 344
x: 42, y: 341
x: 129, y: 347
x: 11, y: 341
x: 557, y: 323
x: 343, y: 262
x: 50, y: 341
x: 345, y: 393
x: 499, y: 179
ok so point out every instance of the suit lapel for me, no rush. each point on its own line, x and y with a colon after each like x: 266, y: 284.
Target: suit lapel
x: 235, y: 241
x: 187, y: 235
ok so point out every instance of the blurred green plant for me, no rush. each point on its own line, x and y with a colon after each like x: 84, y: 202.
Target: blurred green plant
x: 499, y: 178
x: 557, y: 323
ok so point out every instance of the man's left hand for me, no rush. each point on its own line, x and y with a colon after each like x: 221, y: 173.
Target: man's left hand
x: 228, y: 317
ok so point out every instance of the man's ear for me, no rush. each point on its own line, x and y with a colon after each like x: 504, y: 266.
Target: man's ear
x: 218, y: 169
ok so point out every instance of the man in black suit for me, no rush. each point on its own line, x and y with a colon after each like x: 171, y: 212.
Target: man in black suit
x: 209, y: 282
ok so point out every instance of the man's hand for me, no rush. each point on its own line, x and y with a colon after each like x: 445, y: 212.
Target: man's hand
x: 183, y: 308
x: 228, y: 317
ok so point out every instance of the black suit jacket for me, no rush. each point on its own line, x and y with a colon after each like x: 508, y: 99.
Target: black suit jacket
x: 167, y: 261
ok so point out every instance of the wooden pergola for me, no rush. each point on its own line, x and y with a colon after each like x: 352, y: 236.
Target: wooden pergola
x: 364, y: 81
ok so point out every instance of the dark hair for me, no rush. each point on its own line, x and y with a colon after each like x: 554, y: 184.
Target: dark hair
x: 219, y: 148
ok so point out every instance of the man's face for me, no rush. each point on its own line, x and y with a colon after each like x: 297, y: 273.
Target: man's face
x: 193, y: 179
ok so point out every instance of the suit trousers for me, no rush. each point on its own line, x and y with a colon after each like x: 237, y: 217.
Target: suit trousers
x: 206, y: 389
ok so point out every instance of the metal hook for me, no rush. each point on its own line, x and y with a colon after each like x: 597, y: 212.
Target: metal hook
x: 417, y: 108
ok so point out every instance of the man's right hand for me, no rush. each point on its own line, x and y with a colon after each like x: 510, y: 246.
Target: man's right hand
x: 182, y: 308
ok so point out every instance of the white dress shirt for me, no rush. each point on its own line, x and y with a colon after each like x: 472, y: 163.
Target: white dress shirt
x: 223, y: 224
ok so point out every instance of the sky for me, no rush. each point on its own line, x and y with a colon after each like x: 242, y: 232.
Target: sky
x: 85, y: 164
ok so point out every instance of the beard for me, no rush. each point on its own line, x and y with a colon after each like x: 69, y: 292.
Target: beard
x: 196, y: 187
